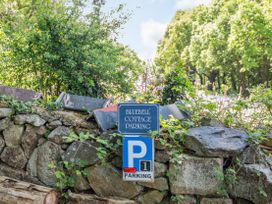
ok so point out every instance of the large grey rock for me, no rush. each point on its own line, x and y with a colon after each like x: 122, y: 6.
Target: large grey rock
x: 81, y: 103
x: 106, y: 118
x: 81, y: 152
x: 160, y: 184
x: 58, y: 134
x: 172, y: 109
x: 5, y: 112
x: 71, y: 118
x: 31, y: 137
x: 47, y: 153
x: 31, y: 167
x: 162, y: 156
x: 196, y: 175
x: 14, y: 157
x: 106, y: 180
x: 151, y: 197
x: 216, y: 201
x: 20, y: 94
x: 13, y: 134
x: 216, y: 141
x: 81, y: 183
x: 253, y: 154
x: 32, y: 119
x: 160, y: 169
x: 54, y: 124
x: 254, y: 183
x: 5, y: 123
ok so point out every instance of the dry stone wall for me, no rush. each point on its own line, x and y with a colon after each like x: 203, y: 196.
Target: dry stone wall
x: 30, y: 142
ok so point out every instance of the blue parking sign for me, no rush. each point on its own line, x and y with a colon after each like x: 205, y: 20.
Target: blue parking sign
x: 138, y: 158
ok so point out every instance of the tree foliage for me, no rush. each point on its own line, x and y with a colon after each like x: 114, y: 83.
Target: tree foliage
x: 55, y: 45
x: 227, y: 42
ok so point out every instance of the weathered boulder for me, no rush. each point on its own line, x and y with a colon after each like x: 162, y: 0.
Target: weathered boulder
x: 47, y: 153
x: 13, y: 134
x: 14, y: 157
x: 160, y: 169
x: 69, y: 118
x: 5, y: 123
x: 81, y: 152
x: 162, y: 156
x: 5, y: 112
x: 106, y: 180
x: 58, y: 134
x: 31, y: 137
x: 216, y: 201
x: 81, y: 183
x: 253, y: 154
x: 54, y: 124
x: 31, y: 167
x: 151, y: 197
x: 32, y: 119
x: 254, y: 183
x: 195, y: 175
x: 160, y: 184
x: 216, y: 141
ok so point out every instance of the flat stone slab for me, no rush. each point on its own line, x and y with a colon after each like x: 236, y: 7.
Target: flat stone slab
x: 172, y: 109
x: 81, y: 103
x: 106, y: 118
x: 196, y: 176
x: 216, y: 141
x: 20, y: 94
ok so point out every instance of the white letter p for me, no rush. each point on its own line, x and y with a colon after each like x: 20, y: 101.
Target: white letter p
x: 132, y: 155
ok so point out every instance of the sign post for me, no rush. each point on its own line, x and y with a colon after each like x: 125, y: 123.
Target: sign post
x: 136, y: 122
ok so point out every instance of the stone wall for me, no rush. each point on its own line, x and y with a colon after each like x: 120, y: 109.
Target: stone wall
x: 30, y: 142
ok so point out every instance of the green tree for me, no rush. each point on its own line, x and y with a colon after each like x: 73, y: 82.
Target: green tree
x: 227, y: 42
x: 52, y: 47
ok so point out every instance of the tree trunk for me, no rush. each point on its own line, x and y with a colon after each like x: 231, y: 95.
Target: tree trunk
x: 233, y: 83
x: 212, y: 78
x: 219, y: 82
x: 264, y: 72
x: 243, y: 85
